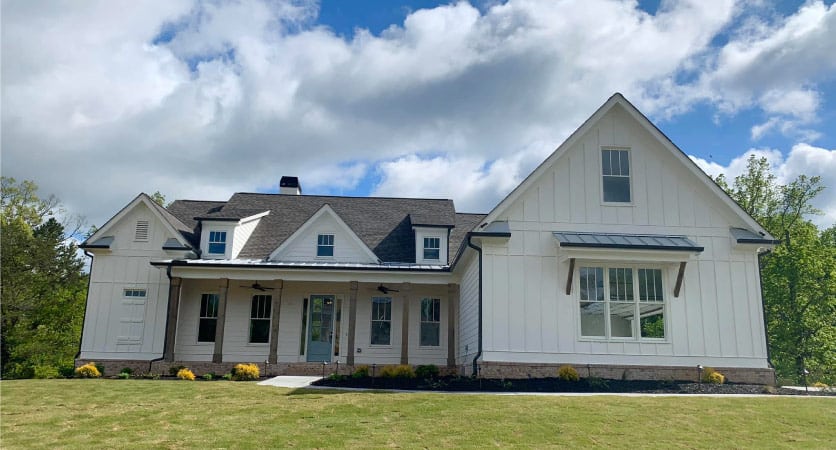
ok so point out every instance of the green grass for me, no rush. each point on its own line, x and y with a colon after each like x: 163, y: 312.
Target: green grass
x: 177, y: 414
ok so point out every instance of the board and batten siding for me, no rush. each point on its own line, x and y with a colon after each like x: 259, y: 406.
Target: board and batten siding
x: 716, y: 320
x: 303, y: 246
x: 468, y: 316
x: 116, y: 326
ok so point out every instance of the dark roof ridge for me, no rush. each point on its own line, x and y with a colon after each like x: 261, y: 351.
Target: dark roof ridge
x: 198, y: 201
x: 471, y: 214
x: 347, y: 196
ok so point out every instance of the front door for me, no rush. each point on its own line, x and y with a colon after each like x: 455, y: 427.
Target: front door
x: 321, y: 328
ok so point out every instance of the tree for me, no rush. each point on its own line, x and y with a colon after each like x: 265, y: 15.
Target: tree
x: 44, y: 286
x: 158, y: 198
x: 798, y: 276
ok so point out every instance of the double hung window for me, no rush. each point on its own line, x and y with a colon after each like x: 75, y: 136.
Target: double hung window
x: 430, y: 322
x: 621, y: 303
x: 325, y: 245
x: 208, y: 318
x: 432, y: 248
x: 381, y: 321
x: 217, y: 242
x: 260, y: 319
x: 615, y: 169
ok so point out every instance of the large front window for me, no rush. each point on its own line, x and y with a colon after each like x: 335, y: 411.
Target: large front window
x: 430, y: 321
x: 621, y: 303
x: 381, y: 320
x: 260, y: 319
x: 208, y: 318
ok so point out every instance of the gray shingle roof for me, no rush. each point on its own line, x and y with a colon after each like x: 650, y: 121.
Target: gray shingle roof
x: 383, y: 224
x: 626, y: 241
x: 186, y: 210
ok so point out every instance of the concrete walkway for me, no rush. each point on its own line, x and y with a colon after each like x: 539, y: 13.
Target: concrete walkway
x: 289, y: 381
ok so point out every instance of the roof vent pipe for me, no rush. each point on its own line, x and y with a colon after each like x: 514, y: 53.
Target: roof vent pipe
x: 290, y: 186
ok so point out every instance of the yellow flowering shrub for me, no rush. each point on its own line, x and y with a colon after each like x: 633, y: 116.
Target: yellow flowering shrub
x: 185, y: 374
x: 709, y: 375
x: 568, y: 373
x: 245, y: 372
x: 400, y: 371
x: 88, y: 370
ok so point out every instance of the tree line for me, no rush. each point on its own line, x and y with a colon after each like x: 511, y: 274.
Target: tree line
x: 44, y: 284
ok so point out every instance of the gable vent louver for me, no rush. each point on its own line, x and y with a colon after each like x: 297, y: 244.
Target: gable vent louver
x: 141, y: 234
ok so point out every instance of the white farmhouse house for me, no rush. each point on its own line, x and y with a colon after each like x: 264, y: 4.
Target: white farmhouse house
x: 617, y: 255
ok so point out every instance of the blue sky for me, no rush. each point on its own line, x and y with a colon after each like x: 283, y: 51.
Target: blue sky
x: 424, y: 98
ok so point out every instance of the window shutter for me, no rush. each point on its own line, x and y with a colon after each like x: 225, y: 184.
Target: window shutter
x: 142, y: 228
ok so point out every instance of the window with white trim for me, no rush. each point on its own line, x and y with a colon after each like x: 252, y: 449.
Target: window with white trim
x: 430, y: 322
x: 381, y: 327
x: 260, y: 319
x: 134, y: 293
x: 217, y: 242
x: 432, y: 248
x: 325, y: 245
x: 208, y: 317
x: 615, y: 170
x: 621, y: 303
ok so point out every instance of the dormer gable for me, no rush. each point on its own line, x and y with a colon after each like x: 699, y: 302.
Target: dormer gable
x: 224, y: 234
x: 141, y: 225
x: 324, y: 237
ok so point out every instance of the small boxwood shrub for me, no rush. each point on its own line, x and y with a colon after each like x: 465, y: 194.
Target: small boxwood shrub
x: 227, y: 376
x: 209, y: 376
x: 123, y: 375
x: 400, y: 371
x: 426, y: 371
x: 185, y: 374
x: 66, y: 371
x: 46, y: 372
x: 361, y: 371
x: 88, y: 370
x: 127, y: 370
x: 711, y: 376
x: 245, y: 372
x: 100, y: 367
x: 568, y: 373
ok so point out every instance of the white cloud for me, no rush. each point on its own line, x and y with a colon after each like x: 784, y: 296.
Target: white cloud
x: 202, y: 99
x: 803, y: 159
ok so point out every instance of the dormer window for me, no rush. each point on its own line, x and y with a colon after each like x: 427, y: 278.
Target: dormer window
x: 432, y: 248
x: 325, y: 245
x: 217, y: 242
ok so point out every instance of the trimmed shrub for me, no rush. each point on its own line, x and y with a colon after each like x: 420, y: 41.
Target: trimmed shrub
x: 100, y: 367
x: 185, y: 374
x: 209, y: 376
x: 174, y: 369
x: 227, y: 376
x: 123, y: 375
x: 127, y: 370
x: 46, y: 372
x: 66, y: 371
x: 426, y: 371
x: 817, y: 384
x: 568, y: 373
x: 400, y: 371
x: 361, y: 371
x: 88, y: 370
x: 245, y: 372
x: 711, y: 376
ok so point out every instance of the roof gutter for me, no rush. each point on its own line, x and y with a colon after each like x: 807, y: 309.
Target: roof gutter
x: 479, y: 334
x: 86, y: 303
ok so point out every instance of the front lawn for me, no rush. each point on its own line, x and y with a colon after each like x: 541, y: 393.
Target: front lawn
x: 175, y: 414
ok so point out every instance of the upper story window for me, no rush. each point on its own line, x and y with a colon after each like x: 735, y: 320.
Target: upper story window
x: 134, y: 293
x: 622, y: 303
x: 325, y: 245
x: 615, y: 169
x: 432, y: 248
x: 141, y: 232
x: 217, y: 242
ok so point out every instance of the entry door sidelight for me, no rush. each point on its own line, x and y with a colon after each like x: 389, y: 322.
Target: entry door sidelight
x: 321, y: 328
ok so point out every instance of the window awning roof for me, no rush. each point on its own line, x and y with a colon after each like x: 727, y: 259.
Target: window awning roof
x: 627, y: 241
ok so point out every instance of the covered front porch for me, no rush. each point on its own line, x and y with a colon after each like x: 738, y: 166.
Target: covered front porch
x: 293, y: 321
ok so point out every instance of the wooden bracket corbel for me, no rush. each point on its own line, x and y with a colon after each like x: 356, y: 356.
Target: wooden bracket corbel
x: 679, y: 277
x: 571, y: 274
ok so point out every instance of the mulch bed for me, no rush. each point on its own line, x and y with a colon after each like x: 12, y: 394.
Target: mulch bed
x: 466, y: 384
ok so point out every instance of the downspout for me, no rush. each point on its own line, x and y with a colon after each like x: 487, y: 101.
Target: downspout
x: 479, y: 334
x: 86, y: 303
x: 165, y: 336
x: 763, y: 307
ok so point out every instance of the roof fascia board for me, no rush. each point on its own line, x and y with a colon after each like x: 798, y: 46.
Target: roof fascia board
x: 556, y: 154
x: 325, y: 209
x: 147, y: 201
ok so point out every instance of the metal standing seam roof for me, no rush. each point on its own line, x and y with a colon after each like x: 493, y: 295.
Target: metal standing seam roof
x: 744, y: 236
x: 626, y: 241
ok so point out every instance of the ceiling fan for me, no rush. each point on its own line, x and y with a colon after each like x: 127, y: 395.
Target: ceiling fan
x: 386, y: 290
x: 258, y: 287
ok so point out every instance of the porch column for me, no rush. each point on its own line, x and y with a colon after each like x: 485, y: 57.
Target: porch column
x: 218, y: 355
x: 171, y: 321
x: 452, y: 303
x: 352, y: 322
x: 405, y: 294
x: 275, y: 310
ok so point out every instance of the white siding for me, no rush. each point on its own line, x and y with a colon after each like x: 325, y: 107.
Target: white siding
x: 242, y: 235
x: 303, y: 247
x: 528, y: 316
x: 140, y: 322
x: 468, y: 317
